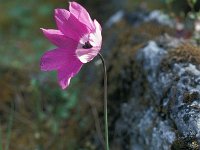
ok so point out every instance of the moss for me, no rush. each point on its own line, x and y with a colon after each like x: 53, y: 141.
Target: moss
x: 186, y: 143
x: 149, y: 30
x: 190, y: 97
x: 186, y: 53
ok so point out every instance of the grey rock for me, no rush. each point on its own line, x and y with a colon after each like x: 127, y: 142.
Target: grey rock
x: 160, y: 17
x: 169, y: 114
x: 114, y: 18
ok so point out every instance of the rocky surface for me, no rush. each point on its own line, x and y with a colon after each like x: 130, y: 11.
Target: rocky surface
x: 153, y: 86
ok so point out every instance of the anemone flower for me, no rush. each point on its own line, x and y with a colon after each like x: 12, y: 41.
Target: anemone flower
x: 78, y: 40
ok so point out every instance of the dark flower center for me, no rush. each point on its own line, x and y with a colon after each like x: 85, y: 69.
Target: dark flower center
x: 87, y: 45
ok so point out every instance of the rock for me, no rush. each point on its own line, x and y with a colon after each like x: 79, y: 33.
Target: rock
x: 154, y: 98
x: 114, y: 18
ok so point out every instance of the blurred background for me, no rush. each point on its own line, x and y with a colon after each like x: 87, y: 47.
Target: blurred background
x: 35, y: 114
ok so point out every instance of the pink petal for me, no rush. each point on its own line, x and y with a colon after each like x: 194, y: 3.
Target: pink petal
x: 69, y: 25
x: 81, y: 14
x: 86, y: 55
x: 68, y: 71
x: 59, y: 39
x: 54, y: 59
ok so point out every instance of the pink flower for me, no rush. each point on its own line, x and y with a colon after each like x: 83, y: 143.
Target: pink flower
x: 78, y: 40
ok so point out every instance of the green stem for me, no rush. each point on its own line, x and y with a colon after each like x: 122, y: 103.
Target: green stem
x: 105, y: 102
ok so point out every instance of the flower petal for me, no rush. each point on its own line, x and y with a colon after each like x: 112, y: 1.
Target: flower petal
x: 67, y: 72
x: 86, y: 55
x: 59, y: 39
x: 69, y: 25
x: 81, y: 14
x: 96, y: 38
x: 55, y: 59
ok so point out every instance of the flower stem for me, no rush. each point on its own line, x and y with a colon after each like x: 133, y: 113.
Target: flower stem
x: 105, y: 102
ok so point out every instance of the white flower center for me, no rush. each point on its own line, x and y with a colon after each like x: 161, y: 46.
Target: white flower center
x: 87, y: 41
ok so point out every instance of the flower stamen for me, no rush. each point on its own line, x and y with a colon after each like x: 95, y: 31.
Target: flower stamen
x: 87, y: 45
